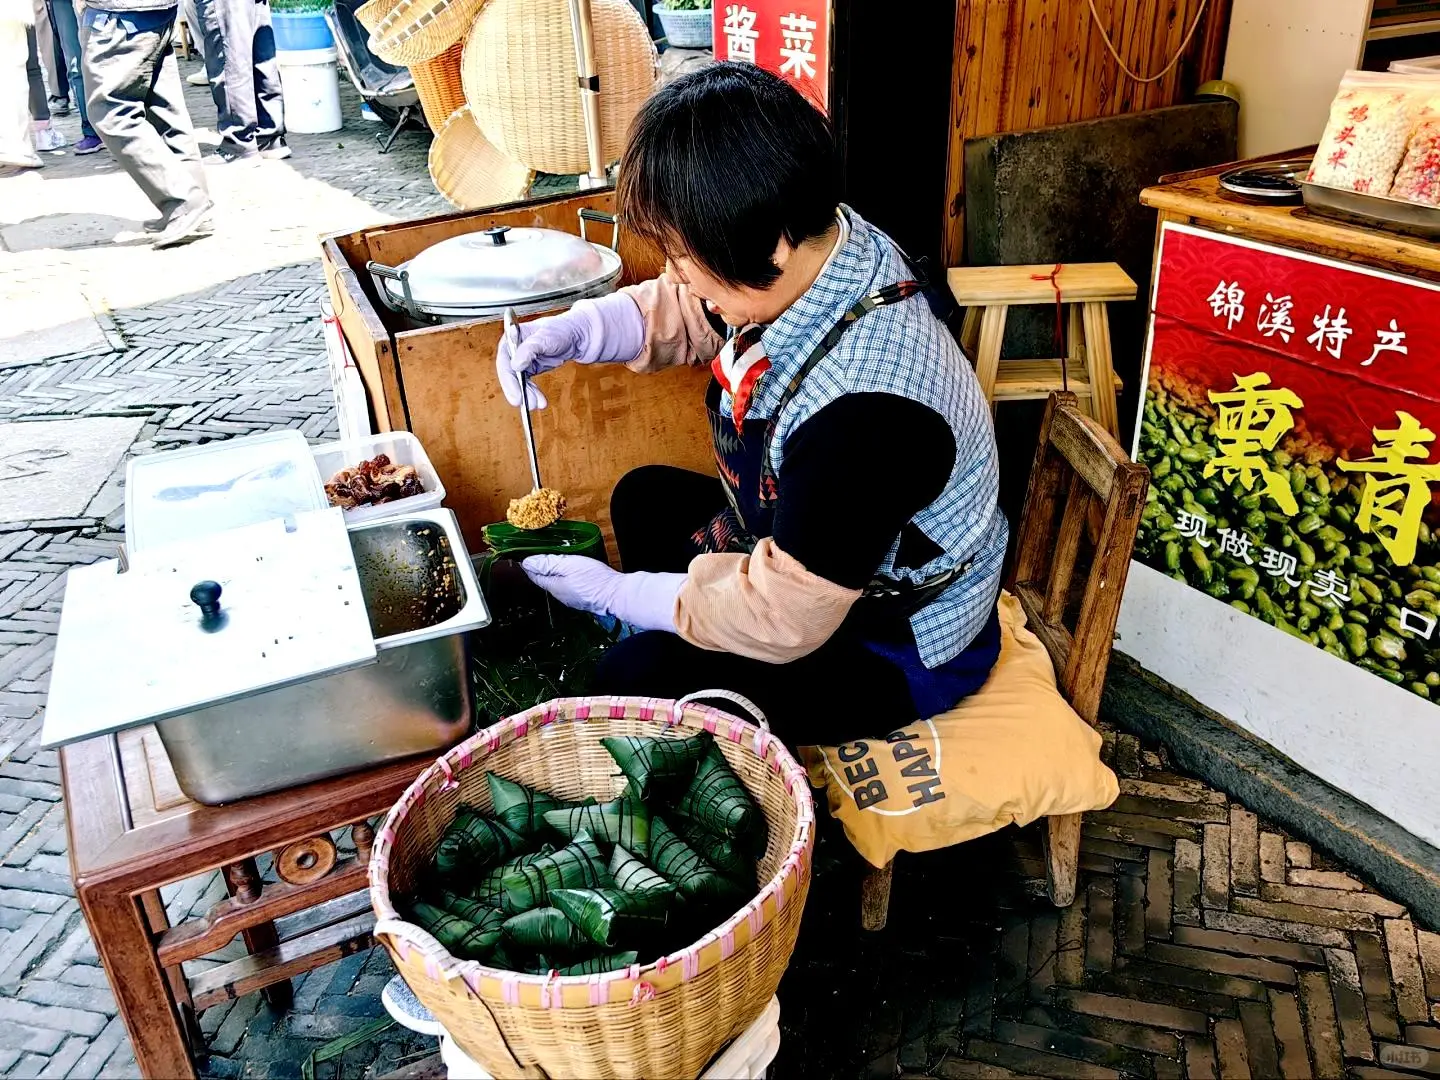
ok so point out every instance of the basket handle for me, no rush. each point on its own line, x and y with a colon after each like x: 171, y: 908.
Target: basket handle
x: 724, y: 695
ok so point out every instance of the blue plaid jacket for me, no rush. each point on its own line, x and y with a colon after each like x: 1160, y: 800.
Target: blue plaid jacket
x: 900, y: 349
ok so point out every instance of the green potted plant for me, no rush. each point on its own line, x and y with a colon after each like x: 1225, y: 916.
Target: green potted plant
x: 687, y: 23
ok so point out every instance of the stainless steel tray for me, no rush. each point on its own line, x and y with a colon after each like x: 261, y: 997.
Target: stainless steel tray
x: 1373, y: 211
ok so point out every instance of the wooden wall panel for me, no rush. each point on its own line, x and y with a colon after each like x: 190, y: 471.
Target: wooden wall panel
x: 1023, y: 64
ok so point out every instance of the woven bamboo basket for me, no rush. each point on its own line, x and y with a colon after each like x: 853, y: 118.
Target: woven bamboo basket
x: 520, y: 80
x: 415, y: 30
x: 469, y: 171
x: 371, y: 12
x: 663, y: 1019
x: 437, y: 83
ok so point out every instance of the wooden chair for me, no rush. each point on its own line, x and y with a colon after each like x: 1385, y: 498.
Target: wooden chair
x: 989, y: 292
x: 1078, y: 465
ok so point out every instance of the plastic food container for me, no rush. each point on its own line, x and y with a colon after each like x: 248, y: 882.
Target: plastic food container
x: 185, y: 494
x: 1421, y: 65
x: 400, y: 447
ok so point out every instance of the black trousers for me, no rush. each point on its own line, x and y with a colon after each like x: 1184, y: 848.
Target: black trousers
x: 839, y: 693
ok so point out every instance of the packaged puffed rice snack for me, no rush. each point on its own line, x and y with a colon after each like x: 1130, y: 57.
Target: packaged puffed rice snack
x: 1370, y: 123
x: 1418, y: 180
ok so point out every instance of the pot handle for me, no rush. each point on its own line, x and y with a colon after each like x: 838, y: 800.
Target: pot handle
x: 408, y: 306
x: 586, y: 214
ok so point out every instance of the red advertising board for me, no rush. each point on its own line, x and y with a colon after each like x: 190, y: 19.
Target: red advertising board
x: 1291, y: 410
x: 788, y: 37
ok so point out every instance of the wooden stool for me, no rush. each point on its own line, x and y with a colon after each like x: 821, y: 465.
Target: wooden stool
x: 989, y: 292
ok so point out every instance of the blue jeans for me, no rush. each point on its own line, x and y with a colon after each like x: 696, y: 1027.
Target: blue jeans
x: 67, y: 27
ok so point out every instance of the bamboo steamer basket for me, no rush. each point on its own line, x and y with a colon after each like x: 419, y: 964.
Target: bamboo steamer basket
x: 520, y: 79
x: 371, y: 12
x: 437, y: 84
x: 663, y: 1019
x: 415, y: 30
x: 469, y: 171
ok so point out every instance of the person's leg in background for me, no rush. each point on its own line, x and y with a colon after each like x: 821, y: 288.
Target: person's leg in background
x: 17, y: 150
x: 269, y: 105
x: 196, y: 25
x: 229, y: 41
x: 46, y: 135
x: 45, y: 51
x: 67, y: 29
x: 128, y: 72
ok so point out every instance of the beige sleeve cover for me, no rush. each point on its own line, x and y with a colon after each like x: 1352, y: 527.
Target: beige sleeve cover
x: 676, y: 330
x: 764, y: 606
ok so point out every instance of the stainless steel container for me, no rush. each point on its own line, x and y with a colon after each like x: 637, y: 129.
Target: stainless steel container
x: 284, y: 708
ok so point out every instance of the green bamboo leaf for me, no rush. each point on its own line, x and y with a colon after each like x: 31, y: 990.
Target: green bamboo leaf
x: 658, y: 768
x: 463, y: 907
x: 474, y: 842
x: 491, y: 887
x: 718, y: 800
x: 608, y: 916
x: 599, y: 964
x: 680, y: 863
x: 578, y: 865
x: 467, y: 940
x: 632, y: 875
x: 624, y: 821
x: 517, y: 806
x: 544, y: 928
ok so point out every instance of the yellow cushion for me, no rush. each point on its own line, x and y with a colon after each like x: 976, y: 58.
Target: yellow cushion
x: 1013, y: 751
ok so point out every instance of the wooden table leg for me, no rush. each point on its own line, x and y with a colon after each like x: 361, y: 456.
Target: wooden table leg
x: 153, y: 907
x: 243, y: 881
x: 122, y: 938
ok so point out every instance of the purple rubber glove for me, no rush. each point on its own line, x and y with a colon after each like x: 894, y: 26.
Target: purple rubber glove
x: 645, y: 601
x: 608, y: 330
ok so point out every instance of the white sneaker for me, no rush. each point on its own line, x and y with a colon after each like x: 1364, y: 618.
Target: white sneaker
x: 50, y: 138
x: 198, y: 78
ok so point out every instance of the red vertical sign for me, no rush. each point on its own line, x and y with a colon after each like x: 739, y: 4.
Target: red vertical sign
x: 788, y: 37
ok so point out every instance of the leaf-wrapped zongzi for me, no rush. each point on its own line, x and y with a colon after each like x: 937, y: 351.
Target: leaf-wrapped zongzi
x: 632, y: 875
x: 519, y: 807
x: 718, y: 800
x: 545, y: 928
x: 463, y: 907
x: 692, y: 875
x: 598, y: 964
x: 578, y: 865
x: 467, y: 940
x: 609, y: 917
x: 658, y: 768
x: 491, y: 887
x: 473, y: 842
x: 727, y: 856
x: 624, y: 821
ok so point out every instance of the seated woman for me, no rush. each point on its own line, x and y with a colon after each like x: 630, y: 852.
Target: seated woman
x: 843, y: 569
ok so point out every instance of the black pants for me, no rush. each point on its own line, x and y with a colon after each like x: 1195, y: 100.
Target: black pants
x: 839, y: 693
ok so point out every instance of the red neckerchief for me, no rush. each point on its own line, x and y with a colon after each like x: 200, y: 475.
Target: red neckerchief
x: 738, y: 366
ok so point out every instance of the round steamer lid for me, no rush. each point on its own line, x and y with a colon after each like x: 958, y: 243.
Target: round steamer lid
x: 501, y: 267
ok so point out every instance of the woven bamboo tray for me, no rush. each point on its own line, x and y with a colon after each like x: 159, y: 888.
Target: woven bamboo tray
x: 415, y: 30
x: 520, y: 80
x: 370, y: 13
x: 663, y: 1019
x: 469, y: 171
x: 437, y: 83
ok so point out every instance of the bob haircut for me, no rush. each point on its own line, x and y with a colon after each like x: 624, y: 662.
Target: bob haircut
x: 721, y: 164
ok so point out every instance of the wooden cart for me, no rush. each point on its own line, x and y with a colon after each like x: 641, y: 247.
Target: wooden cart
x: 439, y: 381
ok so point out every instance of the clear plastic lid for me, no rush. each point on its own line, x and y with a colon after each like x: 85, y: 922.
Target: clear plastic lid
x: 184, y: 494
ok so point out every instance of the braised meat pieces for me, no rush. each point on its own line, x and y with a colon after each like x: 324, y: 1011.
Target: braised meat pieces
x: 373, y: 482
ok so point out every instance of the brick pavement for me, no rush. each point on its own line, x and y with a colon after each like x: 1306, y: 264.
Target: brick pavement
x: 1205, y: 943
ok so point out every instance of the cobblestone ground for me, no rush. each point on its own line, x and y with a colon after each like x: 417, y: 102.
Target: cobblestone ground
x: 1204, y: 943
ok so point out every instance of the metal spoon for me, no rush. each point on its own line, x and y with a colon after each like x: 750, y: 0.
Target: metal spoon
x: 512, y: 335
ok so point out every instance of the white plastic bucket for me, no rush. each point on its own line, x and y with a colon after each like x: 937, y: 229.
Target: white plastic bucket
x: 311, y: 87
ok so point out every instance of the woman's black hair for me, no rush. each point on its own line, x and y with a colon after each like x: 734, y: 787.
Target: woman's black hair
x: 722, y: 163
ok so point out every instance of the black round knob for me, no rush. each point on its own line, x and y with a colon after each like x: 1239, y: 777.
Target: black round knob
x: 207, y: 596
x: 497, y: 234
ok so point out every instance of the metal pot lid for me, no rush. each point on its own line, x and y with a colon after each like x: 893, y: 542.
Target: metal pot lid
x: 504, y: 266
x: 161, y: 640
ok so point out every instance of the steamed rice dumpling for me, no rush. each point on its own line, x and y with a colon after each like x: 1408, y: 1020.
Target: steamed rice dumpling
x: 491, y: 887
x: 463, y: 907
x: 718, y: 800
x: 632, y: 875
x: 544, y: 928
x: 608, y: 916
x: 681, y: 864
x: 596, y: 965
x: 624, y: 821
x: 658, y: 768
x: 578, y: 865
x: 474, y: 842
x: 517, y: 806
x: 720, y: 852
x: 467, y: 940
